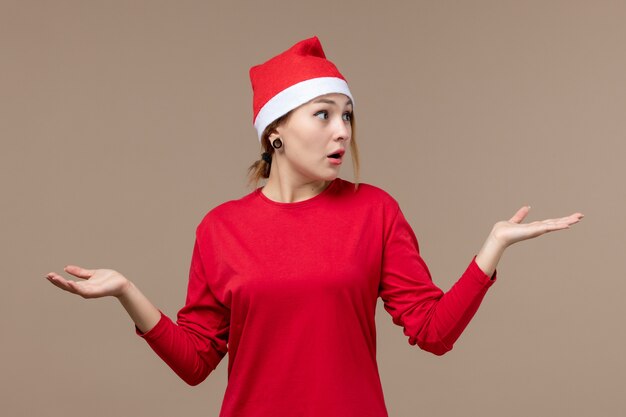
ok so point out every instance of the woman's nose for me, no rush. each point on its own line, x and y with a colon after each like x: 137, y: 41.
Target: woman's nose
x: 343, y: 130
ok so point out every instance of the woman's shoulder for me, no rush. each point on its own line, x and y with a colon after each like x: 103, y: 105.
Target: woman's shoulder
x: 230, y: 209
x: 370, y: 192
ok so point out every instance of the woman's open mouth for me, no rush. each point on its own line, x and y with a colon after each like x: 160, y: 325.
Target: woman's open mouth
x: 336, y: 157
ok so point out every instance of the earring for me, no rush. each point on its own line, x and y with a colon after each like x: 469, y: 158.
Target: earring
x: 277, y: 143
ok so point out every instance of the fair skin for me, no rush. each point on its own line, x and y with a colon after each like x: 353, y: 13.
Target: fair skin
x: 300, y: 170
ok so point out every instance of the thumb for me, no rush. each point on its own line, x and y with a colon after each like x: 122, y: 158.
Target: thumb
x: 78, y: 271
x: 520, y: 215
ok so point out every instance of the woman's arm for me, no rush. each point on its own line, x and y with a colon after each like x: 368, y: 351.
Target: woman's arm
x: 432, y: 319
x: 505, y: 233
x: 107, y: 282
x: 139, y: 308
x: 192, y: 347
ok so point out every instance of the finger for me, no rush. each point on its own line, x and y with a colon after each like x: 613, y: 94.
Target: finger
x: 78, y: 271
x: 58, y: 281
x: 556, y: 225
x: 52, y: 275
x: 574, y: 216
x: 568, y: 220
x: 571, y: 219
x: 577, y: 216
x: 520, y: 214
x: 73, y: 285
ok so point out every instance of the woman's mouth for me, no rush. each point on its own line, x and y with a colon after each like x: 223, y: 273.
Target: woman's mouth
x: 336, y: 157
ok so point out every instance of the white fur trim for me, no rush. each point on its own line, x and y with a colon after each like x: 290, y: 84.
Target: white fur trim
x: 296, y: 95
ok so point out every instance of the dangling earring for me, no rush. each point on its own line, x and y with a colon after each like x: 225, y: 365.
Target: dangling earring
x: 277, y: 143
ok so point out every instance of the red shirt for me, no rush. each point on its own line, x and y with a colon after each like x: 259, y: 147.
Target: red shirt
x: 289, y: 290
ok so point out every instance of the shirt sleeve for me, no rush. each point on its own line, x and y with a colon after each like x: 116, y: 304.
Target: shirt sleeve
x: 197, y: 342
x: 432, y: 319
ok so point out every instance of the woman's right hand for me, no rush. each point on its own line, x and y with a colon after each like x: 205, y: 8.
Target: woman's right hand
x: 96, y: 282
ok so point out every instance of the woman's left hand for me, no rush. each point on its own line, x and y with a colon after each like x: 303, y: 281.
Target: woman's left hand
x: 513, y: 230
x: 505, y: 233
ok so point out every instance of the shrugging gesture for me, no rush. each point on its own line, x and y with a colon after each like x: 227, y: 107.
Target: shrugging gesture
x: 505, y: 233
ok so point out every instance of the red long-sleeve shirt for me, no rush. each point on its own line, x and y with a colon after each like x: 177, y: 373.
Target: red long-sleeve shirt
x: 289, y: 290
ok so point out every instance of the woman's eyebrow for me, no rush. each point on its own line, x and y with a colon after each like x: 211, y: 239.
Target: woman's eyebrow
x: 326, y: 100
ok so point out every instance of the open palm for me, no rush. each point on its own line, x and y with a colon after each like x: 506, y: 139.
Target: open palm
x: 513, y: 230
x: 95, y: 282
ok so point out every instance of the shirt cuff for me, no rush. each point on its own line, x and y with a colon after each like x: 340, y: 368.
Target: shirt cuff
x: 480, y: 274
x: 156, y: 331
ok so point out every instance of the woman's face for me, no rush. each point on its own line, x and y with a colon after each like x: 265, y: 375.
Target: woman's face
x: 314, y: 131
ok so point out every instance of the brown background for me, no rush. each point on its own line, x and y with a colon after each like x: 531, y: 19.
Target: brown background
x: 123, y: 122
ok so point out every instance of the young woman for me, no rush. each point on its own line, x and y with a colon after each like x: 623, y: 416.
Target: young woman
x: 286, y: 278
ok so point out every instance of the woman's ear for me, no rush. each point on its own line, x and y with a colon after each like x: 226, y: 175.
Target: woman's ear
x: 274, y: 134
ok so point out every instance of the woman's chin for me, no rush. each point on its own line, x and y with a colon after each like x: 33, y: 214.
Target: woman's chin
x: 316, y: 173
x: 331, y: 176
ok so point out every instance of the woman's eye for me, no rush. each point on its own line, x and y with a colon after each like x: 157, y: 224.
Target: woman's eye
x: 347, y: 116
x: 323, y: 112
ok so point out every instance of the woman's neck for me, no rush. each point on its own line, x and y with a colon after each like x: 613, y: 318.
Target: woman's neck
x: 285, y: 190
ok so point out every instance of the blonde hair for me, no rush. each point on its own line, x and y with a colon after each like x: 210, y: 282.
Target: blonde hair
x: 261, y: 169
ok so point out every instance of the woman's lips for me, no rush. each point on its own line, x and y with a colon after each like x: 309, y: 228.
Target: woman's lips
x: 335, y: 161
x: 338, y: 156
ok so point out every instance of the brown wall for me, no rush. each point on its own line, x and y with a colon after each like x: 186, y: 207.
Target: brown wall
x: 123, y: 122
